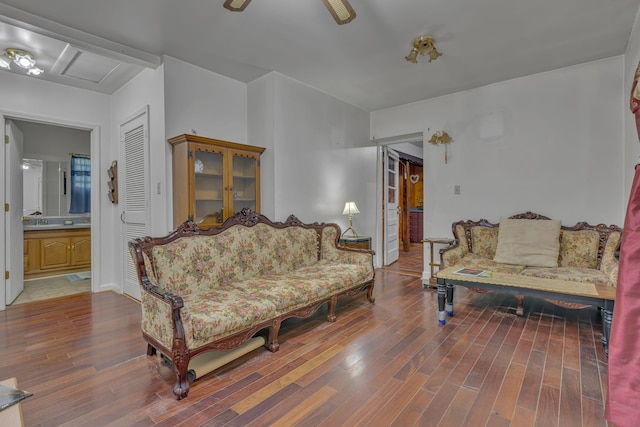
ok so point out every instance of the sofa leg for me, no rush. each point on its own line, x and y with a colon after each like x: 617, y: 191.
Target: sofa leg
x: 151, y: 350
x: 370, y: 294
x: 272, y: 344
x: 520, y: 305
x: 331, y: 309
x: 181, y: 368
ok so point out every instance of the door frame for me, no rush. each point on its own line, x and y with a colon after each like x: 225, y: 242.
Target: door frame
x: 95, y: 191
x: 379, y: 143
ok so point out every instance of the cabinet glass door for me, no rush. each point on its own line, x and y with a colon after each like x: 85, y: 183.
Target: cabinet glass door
x: 208, y: 184
x: 244, y: 175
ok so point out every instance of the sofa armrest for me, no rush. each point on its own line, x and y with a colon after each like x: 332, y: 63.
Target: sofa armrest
x: 451, y: 255
x: 609, y: 262
x: 331, y: 252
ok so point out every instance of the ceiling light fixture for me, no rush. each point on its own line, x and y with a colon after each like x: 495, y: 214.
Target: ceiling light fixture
x: 341, y: 10
x: 423, y: 45
x: 22, y: 59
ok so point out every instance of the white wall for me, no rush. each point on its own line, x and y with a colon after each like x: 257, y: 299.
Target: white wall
x: 261, y: 132
x: 551, y: 143
x: 47, y: 142
x: 316, y: 157
x: 32, y: 99
x: 147, y: 88
x: 196, y: 99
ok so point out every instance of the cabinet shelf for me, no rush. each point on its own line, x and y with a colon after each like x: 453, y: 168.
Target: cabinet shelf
x: 228, y: 179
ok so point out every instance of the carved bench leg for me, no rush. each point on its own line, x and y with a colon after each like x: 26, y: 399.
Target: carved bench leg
x: 272, y: 344
x: 441, y: 301
x: 331, y: 309
x: 607, y: 319
x: 448, y: 307
x: 520, y: 305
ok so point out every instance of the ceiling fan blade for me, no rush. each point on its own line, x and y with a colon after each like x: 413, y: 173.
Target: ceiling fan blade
x: 341, y: 11
x: 236, y: 5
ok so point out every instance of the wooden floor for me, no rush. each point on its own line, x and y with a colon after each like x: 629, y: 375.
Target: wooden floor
x: 387, y: 363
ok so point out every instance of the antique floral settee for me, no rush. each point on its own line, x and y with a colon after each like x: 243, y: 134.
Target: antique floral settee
x: 530, y: 255
x: 215, y: 289
x: 583, y: 253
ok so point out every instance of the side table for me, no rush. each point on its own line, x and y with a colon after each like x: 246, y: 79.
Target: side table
x: 359, y: 242
x: 435, y: 241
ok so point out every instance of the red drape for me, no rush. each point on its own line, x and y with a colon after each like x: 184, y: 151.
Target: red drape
x: 623, y: 395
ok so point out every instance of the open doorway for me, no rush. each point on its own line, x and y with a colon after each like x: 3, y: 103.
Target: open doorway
x: 402, y: 200
x: 53, y: 230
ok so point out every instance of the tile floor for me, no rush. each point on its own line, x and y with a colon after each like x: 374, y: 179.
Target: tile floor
x: 51, y: 287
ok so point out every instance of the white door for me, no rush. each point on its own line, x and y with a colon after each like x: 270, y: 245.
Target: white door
x: 390, y: 217
x: 14, y: 248
x: 133, y: 177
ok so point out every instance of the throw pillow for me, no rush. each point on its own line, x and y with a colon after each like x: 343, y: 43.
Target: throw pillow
x: 530, y: 242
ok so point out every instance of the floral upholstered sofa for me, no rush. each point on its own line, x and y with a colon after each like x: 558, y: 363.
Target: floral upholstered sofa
x: 530, y: 255
x: 583, y: 253
x: 214, y: 289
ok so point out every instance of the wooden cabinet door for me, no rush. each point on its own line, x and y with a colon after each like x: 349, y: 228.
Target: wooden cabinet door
x: 209, y: 185
x: 54, y: 252
x: 245, y: 181
x: 81, y: 250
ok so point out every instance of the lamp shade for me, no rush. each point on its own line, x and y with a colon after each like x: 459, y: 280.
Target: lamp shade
x: 350, y: 208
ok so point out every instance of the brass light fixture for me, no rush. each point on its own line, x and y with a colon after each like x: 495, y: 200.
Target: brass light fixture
x: 341, y: 10
x: 441, y: 138
x: 22, y: 59
x: 423, y: 45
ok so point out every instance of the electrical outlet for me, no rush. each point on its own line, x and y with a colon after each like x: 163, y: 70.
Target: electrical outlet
x: 456, y: 190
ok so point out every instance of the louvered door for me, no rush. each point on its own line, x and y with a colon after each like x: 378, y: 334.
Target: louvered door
x: 134, y: 137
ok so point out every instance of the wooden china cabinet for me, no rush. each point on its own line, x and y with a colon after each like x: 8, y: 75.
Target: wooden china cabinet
x: 213, y: 179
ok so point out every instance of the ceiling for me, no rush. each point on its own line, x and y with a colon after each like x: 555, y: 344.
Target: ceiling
x: 99, y: 45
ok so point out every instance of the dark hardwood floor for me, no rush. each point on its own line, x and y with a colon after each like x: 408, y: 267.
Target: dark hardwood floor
x: 381, y: 364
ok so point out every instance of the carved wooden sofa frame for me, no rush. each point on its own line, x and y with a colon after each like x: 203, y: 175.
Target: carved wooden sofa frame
x: 179, y: 353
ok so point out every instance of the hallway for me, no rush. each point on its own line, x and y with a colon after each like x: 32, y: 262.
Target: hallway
x: 409, y: 263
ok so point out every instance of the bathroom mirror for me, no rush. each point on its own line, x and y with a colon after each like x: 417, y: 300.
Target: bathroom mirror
x: 45, y: 187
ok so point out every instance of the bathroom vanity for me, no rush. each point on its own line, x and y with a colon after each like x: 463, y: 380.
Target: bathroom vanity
x: 53, y: 249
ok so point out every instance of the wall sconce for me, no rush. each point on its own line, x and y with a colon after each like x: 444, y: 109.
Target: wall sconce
x: 22, y: 59
x: 441, y: 137
x: 350, y: 209
x: 424, y: 46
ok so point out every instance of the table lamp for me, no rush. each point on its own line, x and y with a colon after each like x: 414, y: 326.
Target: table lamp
x: 350, y: 209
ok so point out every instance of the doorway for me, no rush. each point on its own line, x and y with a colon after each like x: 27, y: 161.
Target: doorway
x: 406, y: 178
x: 61, y: 242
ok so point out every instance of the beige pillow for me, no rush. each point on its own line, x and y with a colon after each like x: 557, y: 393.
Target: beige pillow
x: 530, y: 242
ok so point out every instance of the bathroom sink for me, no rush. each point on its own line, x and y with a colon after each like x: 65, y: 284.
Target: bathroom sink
x: 55, y: 226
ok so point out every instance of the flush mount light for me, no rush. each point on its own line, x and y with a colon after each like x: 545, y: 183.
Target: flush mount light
x: 341, y: 10
x: 22, y: 59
